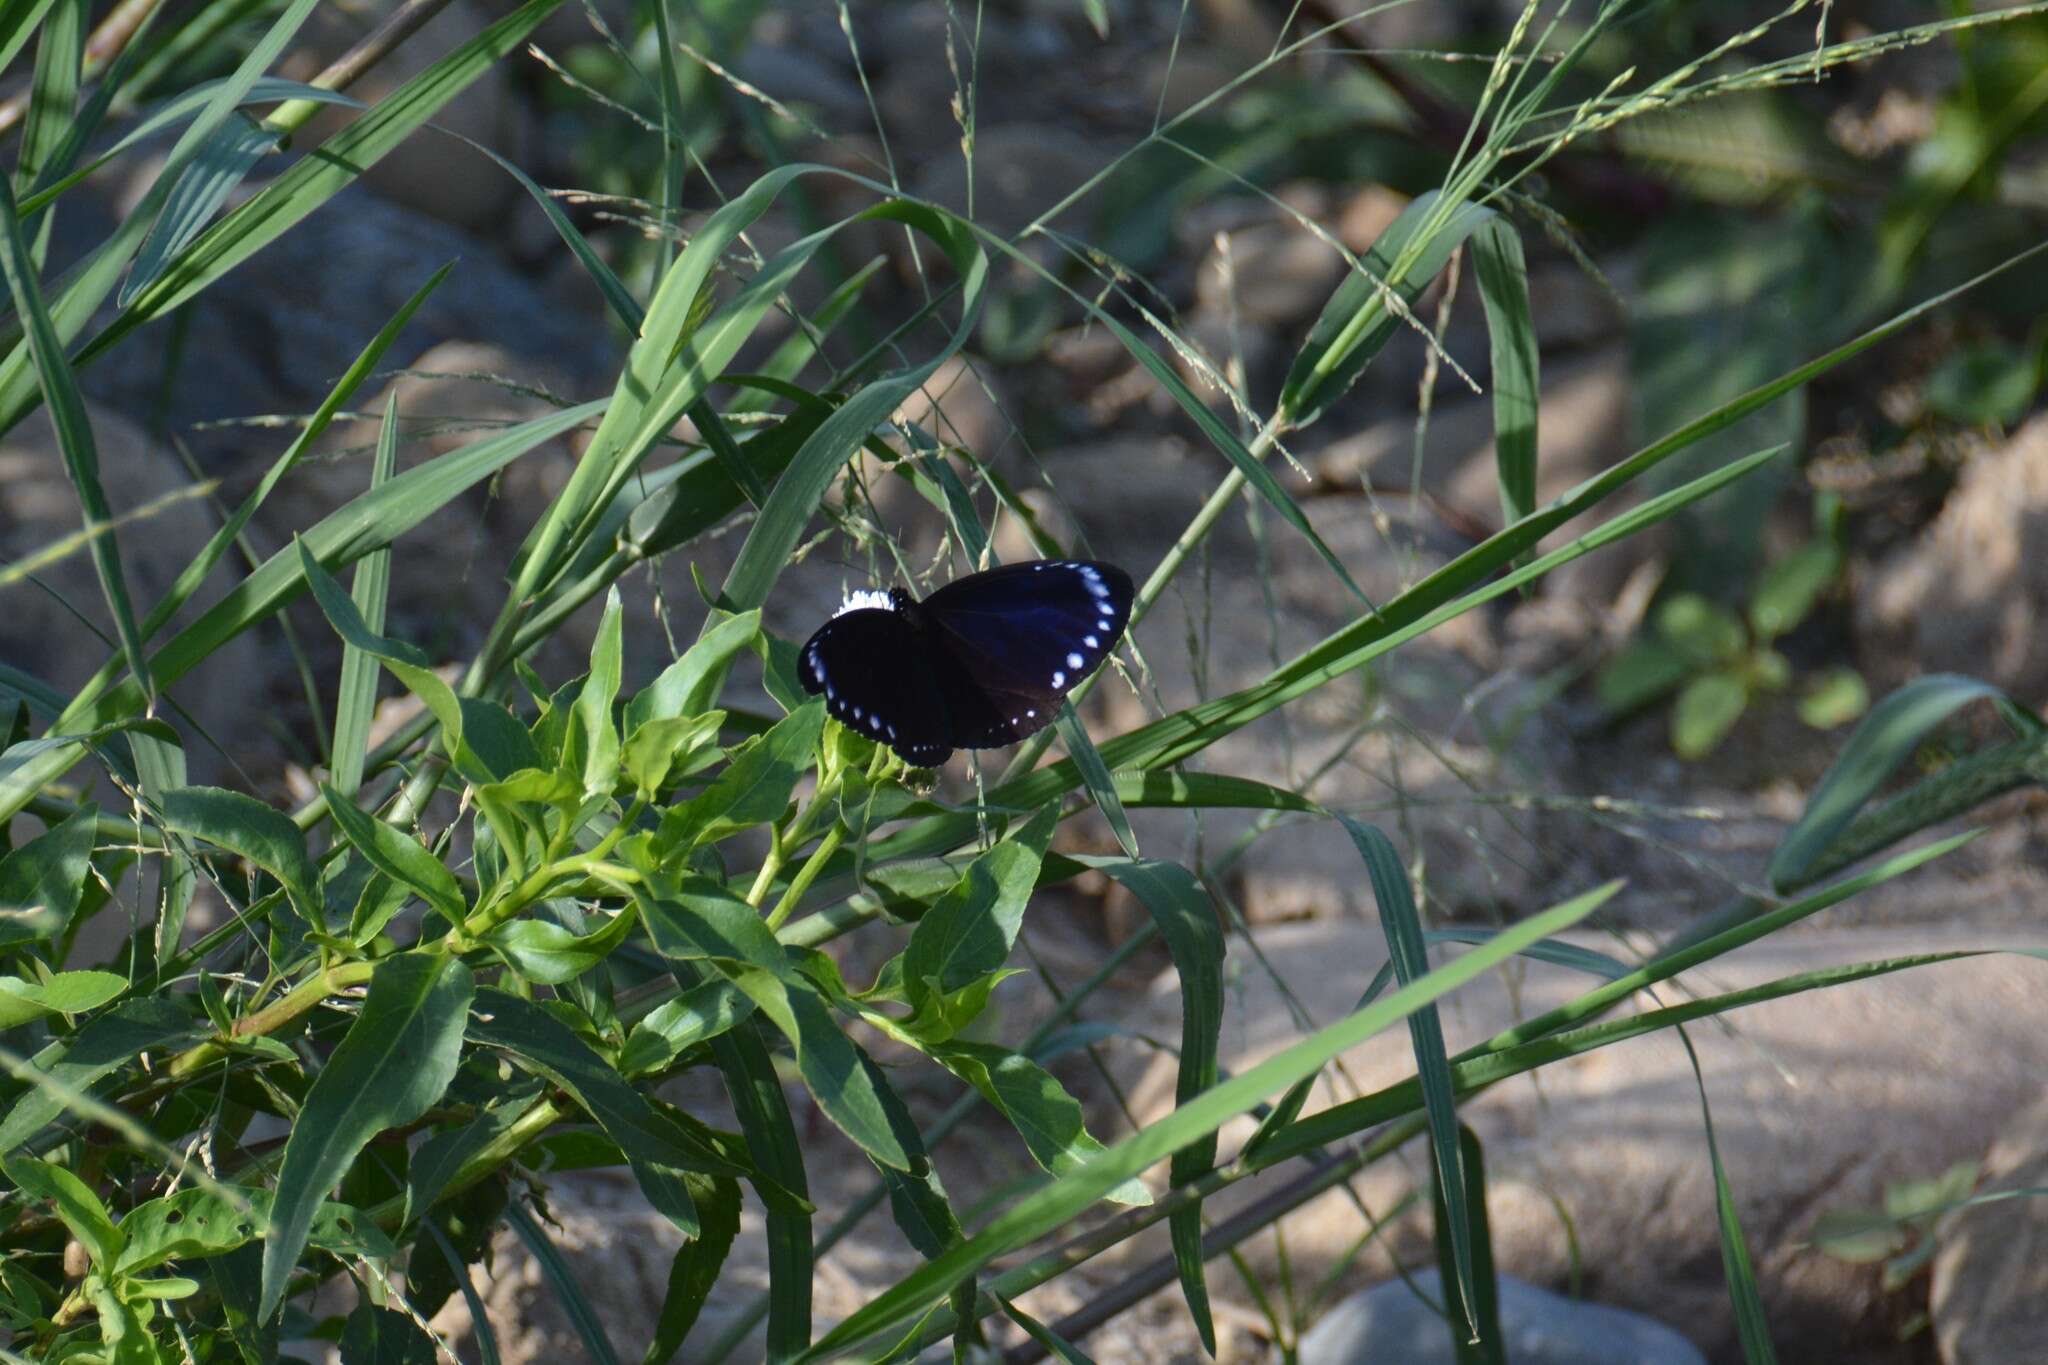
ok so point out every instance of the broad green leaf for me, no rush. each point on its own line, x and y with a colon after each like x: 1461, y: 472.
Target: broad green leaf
x: 755, y: 787
x: 398, y: 856
x: 1644, y: 670
x: 1706, y: 710
x: 702, y: 921
x: 694, y: 1272
x: 248, y: 829
x: 702, y: 1012
x: 1055, y: 1205
x: 664, y: 744
x: 1410, y: 959
x: 966, y: 935
x: 64, y: 993
x: 550, y: 954
x: 106, y: 1044
x: 1791, y: 586
x: 1834, y: 698
x: 437, y: 1161
x: 397, y: 1058
x: 1504, y: 292
x: 594, y: 718
x: 78, y: 1207
x: 1372, y: 302
x: 355, y: 704
x: 1206, y: 791
x: 43, y: 881
x: 198, y: 1222
x: 1043, y: 1113
x: 1704, y: 631
x: 658, y: 1149
x: 689, y: 686
x: 1886, y: 738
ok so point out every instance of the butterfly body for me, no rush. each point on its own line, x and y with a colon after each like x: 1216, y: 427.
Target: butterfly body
x: 983, y: 662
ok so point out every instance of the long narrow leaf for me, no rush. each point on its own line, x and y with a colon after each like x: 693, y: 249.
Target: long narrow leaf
x: 355, y: 699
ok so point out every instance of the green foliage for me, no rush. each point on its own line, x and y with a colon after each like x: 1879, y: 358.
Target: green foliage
x: 483, y: 950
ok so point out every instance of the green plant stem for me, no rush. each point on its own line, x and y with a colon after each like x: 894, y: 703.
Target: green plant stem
x: 274, y: 1016
x: 807, y: 874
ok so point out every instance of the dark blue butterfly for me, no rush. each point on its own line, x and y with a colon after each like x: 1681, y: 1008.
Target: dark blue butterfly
x: 982, y: 662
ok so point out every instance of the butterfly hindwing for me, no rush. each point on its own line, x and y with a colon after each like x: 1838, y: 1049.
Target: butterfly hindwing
x: 877, y: 677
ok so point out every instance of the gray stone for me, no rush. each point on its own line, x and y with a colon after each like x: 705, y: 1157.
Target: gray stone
x: 1966, y: 592
x: 1390, y: 1323
x: 1612, y: 1139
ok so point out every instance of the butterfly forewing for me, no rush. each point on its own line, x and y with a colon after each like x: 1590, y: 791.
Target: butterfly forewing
x: 877, y: 677
x: 1025, y: 635
x: 984, y: 661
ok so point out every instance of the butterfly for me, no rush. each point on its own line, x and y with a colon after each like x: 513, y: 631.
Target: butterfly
x: 982, y: 662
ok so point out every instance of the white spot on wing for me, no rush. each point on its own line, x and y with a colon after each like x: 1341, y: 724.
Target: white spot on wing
x: 865, y: 599
x: 1091, y: 642
x: 1075, y: 661
x: 1059, y: 679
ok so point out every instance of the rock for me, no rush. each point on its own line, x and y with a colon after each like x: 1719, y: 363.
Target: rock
x: 1990, y: 1291
x: 274, y: 335
x: 1614, y: 1136
x: 1020, y: 171
x: 163, y: 530
x: 1274, y: 272
x: 1388, y: 1322
x: 1962, y: 594
x: 430, y: 172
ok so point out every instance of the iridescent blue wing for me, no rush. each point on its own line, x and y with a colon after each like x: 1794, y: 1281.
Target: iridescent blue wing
x: 1020, y: 637
x: 879, y: 676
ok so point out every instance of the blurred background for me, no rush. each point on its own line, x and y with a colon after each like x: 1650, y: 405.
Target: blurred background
x: 1204, y: 170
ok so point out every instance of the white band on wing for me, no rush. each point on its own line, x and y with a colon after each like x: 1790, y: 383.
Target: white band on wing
x: 865, y: 599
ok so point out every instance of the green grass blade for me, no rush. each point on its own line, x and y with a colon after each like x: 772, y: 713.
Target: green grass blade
x: 1504, y: 293
x: 763, y: 1112
x: 74, y: 431
x: 1885, y: 739
x: 1224, y: 439
x: 789, y: 359
x: 1484, y: 1347
x: 19, y: 20
x: 222, y: 162
x: 53, y: 91
x: 356, y: 695
x: 91, y: 282
x: 1369, y: 305
x: 1752, y: 1324
x: 1057, y: 1204
x: 397, y: 1058
x: 1187, y: 921
x: 317, y: 177
x: 1405, y: 948
x: 106, y: 1044
x: 576, y: 1305
x: 1095, y: 777
x: 370, y: 522
x: 797, y: 493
